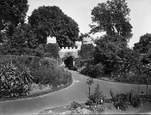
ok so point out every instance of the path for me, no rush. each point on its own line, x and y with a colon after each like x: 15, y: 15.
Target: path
x: 75, y: 92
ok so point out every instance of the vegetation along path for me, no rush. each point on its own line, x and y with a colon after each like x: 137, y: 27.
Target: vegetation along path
x: 75, y: 92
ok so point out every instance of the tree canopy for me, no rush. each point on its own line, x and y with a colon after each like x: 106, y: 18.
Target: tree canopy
x: 107, y: 51
x: 144, y: 44
x: 113, y: 18
x: 22, y: 41
x: 12, y: 13
x: 51, y: 21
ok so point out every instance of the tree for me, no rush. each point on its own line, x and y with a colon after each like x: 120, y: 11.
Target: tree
x: 51, y: 21
x: 12, y: 12
x: 144, y: 44
x: 86, y: 51
x: 113, y: 18
x: 90, y: 82
x: 106, y: 51
x: 82, y: 36
x: 23, y: 41
x: 53, y: 49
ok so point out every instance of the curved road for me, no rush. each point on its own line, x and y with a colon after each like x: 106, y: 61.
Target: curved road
x: 75, y: 92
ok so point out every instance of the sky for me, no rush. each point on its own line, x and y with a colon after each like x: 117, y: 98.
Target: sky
x: 80, y: 11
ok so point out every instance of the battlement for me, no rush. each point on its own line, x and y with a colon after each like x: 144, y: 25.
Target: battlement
x: 69, y: 49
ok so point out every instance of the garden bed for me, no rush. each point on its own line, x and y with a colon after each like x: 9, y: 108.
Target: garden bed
x: 39, y: 92
x: 28, y: 76
x: 107, y: 108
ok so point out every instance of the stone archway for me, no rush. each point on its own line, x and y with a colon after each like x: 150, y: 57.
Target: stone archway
x: 69, y: 62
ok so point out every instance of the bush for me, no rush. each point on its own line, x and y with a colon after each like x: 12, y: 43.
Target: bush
x: 96, y: 98
x: 30, y: 61
x: 49, y: 72
x: 121, y: 101
x: 74, y: 105
x: 53, y: 49
x: 48, y: 62
x: 93, y: 70
x: 12, y: 82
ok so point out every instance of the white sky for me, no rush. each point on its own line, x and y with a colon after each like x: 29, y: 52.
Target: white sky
x: 80, y: 11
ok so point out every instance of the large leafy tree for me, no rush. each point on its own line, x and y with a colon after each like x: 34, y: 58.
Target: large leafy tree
x: 23, y: 41
x: 116, y: 58
x: 113, y: 18
x: 144, y: 44
x: 106, y: 51
x: 143, y: 47
x: 12, y: 13
x: 51, y: 21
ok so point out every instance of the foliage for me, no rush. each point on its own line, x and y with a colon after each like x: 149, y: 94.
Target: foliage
x: 53, y: 77
x: 12, y: 12
x: 113, y: 18
x: 93, y: 70
x: 48, y: 62
x: 50, y: 73
x: 106, y: 51
x: 86, y: 51
x: 22, y: 42
x: 90, y: 82
x: 82, y: 36
x: 53, y: 49
x: 121, y: 101
x: 51, y: 21
x: 74, y: 105
x: 79, y: 63
x: 96, y: 98
x: 13, y: 81
x: 17, y: 73
x: 40, y: 51
x: 127, y: 63
x: 144, y: 44
x: 134, y: 99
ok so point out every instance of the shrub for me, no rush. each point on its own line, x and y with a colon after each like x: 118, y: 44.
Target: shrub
x: 48, y: 62
x: 119, y: 100
x: 12, y: 84
x: 31, y: 62
x: 74, y: 105
x: 134, y: 99
x: 96, y: 98
x: 86, y: 61
x: 39, y: 51
x: 93, y: 70
x: 53, y: 75
x: 53, y: 49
